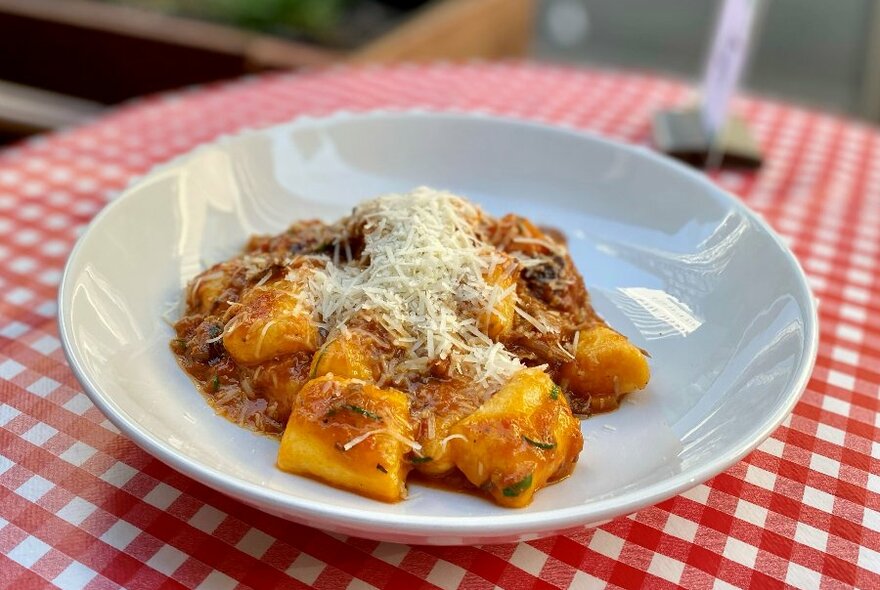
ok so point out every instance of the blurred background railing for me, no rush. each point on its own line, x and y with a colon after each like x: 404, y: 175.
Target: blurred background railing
x: 67, y: 59
x: 816, y: 52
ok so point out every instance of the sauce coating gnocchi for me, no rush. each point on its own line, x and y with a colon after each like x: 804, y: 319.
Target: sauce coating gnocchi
x: 417, y: 335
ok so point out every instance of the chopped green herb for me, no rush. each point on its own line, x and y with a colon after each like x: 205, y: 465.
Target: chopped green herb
x: 324, y: 247
x: 519, y: 487
x: 421, y: 459
x: 541, y: 445
x: 554, y: 392
x: 215, y: 383
x: 362, y: 412
x: 318, y: 357
x: 381, y: 468
x: 214, y: 330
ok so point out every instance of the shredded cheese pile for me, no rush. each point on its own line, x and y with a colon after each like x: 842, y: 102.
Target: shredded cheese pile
x: 421, y: 277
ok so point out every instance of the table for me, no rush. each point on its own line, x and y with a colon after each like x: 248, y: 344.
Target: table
x: 82, y: 507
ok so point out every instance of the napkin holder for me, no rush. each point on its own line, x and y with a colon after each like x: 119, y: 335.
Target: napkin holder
x: 682, y: 135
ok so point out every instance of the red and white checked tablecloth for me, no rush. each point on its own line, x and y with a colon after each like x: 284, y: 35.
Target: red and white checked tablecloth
x: 82, y: 507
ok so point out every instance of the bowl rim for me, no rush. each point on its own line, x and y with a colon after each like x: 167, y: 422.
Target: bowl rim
x: 485, y: 526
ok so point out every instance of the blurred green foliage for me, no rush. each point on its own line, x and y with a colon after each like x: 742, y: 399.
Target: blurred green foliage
x: 314, y: 17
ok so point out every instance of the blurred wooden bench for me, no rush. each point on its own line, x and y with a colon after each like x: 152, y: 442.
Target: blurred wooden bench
x: 25, y: 110
x: 71, y: 56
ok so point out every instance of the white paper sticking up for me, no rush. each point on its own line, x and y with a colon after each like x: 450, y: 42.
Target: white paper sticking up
x: 730, y: 47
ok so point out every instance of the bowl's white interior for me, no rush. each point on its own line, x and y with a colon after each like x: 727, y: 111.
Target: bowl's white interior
x: 671, y: 261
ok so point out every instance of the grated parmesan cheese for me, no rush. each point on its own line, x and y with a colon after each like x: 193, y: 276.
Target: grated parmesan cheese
x: 541, y: 327
x: 388, y: 431
x: 359, y: 439
x: 446, y: 440
x: 262, y: 281
x: 421, y: 276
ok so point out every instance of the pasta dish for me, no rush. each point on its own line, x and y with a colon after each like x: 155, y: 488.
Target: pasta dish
x: 418, y: 336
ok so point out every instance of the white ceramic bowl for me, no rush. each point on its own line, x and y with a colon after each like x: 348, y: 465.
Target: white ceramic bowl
x: 680, y: 266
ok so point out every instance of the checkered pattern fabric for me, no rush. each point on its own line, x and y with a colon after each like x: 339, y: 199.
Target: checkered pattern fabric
x: 82, y: 507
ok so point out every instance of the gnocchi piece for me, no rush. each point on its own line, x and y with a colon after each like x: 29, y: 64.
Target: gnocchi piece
x: 279, y: 382
x: 519, y: 440
x: 439, y: 405
x: 518, y: 234
x: 203, y: 293
x: 350, y: 434
x: 606, y: 366
x: 347, y: 355
x: 269, y: 323
x: 498, y: 318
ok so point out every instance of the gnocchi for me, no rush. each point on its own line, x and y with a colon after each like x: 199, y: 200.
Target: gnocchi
x: 417, y: 335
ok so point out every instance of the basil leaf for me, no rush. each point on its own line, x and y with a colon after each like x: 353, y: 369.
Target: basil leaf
x: 519, y: 487
x: 362, y: 411
x: 541, y: 445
